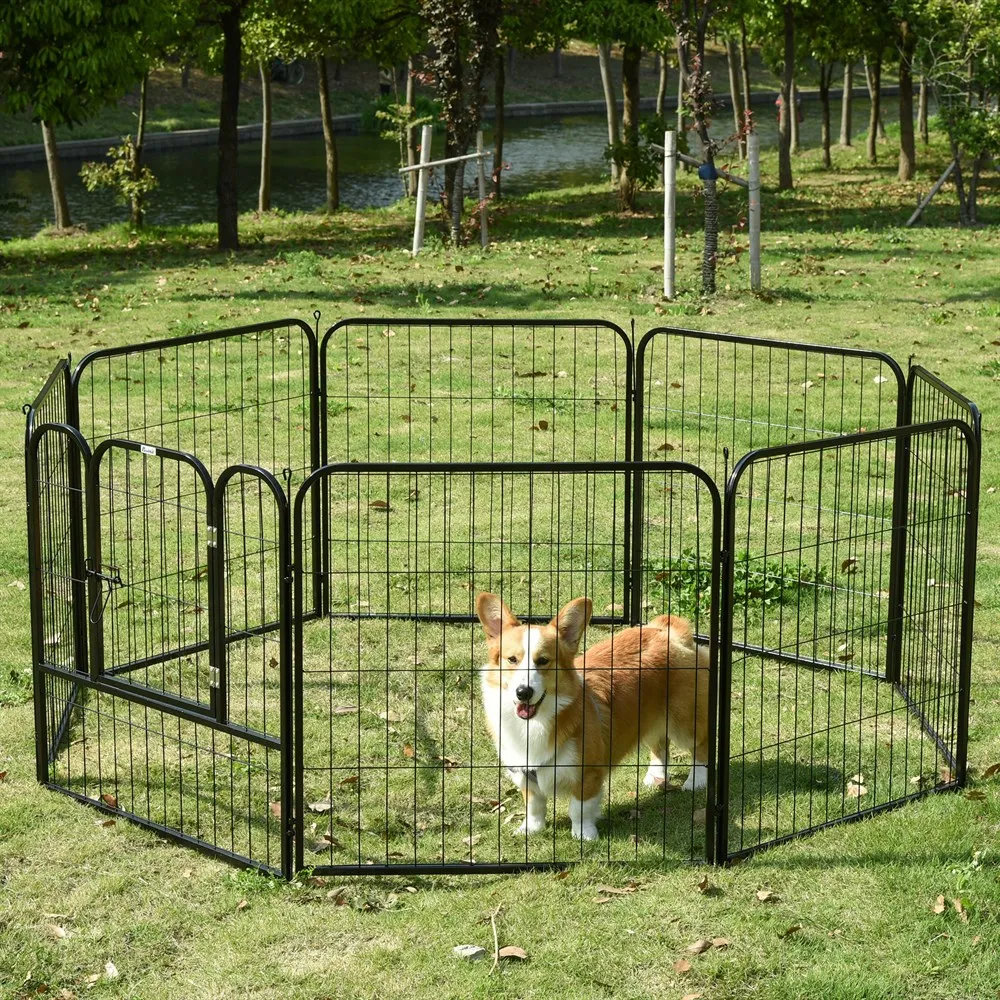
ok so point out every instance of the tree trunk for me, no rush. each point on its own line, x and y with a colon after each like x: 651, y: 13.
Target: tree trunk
x: 785, y: 182
x: 557, y: 61
x: 681, y: 84
x: 499, y: 83
x: 977, y: 165
x: 135, y: 207
x: 511, y: 59
x: 873, y: 71
x: 875, y: 93
x: 963, y: 209
x: 661, y: 87
x: 60, y: 206
x: 264, y: 193
x: 907, y: 145
x: 457, y: 203
x: 794, y: 120
x: 411, y: 133
x: 711, y: 252
x: 631, y: 60
x: 610, y: 104
x: 825, y: 79
x: 232, y: 56
x: 185, y: 76
x: 846, y: 102
x: 922, y: 112
x: 736, y: 97
x: 745, y: 66
x: 329, y: 139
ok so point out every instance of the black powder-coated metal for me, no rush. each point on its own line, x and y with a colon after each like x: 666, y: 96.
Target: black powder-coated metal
x: 898, y: 571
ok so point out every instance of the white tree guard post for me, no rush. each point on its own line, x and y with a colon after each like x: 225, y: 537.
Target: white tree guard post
x: 422, y: 180
x: 484, y: 236
x: 669, y: 211
x: 753, y: 154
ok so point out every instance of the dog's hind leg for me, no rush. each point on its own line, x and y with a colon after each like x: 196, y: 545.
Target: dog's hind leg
x: 659, y: 758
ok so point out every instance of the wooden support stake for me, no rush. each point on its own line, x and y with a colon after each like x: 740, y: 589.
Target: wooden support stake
x: 669, y: 211
x: 930, y: 194
x: 753, y: 154
x: 422, y: 181
x: 484, y: 236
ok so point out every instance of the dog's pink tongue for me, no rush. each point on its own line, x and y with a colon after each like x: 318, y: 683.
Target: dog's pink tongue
x: 526, y: 711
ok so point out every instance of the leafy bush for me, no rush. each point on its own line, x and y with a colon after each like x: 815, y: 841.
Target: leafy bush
x: 121, y: 173
x: 684, y: 582
x: 385, y: 108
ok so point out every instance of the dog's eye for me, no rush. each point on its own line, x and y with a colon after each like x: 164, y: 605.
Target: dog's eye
x: 512, y: 659
x: 541, y: 661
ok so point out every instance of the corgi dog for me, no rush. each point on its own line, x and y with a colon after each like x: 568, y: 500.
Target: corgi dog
x: 561, y: 721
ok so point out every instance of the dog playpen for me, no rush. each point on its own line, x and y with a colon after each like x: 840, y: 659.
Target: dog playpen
x: 254, y: 555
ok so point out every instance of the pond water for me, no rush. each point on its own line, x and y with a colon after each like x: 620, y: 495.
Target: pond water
x: 549, y: 152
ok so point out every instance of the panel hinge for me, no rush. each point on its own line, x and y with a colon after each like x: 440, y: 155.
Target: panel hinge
x: 213, y: 536
x: 213, y: 677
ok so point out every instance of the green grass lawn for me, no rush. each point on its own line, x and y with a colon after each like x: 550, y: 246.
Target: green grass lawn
x: 851, y: 911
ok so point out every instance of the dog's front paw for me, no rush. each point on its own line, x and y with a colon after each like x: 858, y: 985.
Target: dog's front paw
x: 697, y: 778
x: 655, y: 775
x: 533, y: 824
x: 586, y: 831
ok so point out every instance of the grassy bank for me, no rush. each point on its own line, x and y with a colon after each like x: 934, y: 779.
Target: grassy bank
x: 851, y: 912
x: 173, y: 107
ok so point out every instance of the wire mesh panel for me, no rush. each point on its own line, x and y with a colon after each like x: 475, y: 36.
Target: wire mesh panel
x: 151, y: 571
x: 476, y: 390
x: 255, y: 554
x: 183, y: 778
x: 399, y: 765
x: 55, y: 458
x: 815, y: 734
x: 699, y: 394
x: 246, y: 395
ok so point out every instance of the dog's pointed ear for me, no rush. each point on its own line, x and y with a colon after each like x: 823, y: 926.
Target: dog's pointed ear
x: 572, y: 620
x: 494, y: 614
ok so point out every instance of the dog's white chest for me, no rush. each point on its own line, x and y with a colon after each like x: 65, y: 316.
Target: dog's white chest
x: 527, y: 745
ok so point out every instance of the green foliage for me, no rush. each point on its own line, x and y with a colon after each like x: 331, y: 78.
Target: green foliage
x: 63, y: 60
x: 638, y: 158
x: 130, y: 182
x: 398, y: 116
x: 684, y: 582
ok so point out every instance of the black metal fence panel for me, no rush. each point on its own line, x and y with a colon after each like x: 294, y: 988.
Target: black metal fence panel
x: 397, y: 766
x: 814, y: 730
x: 290, y: 684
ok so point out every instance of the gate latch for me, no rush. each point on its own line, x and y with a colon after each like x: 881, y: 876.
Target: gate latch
x: 113, y: 579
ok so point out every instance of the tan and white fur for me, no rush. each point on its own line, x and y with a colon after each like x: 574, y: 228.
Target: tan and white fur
x: 562, y: 721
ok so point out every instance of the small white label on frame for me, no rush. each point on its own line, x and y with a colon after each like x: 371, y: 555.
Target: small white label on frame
x: 147, y: 449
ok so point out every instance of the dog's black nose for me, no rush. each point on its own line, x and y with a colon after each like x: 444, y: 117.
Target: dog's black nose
x: 524, y: 692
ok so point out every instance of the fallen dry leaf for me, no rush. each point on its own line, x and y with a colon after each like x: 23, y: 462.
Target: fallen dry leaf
x: 351, y: 779
x: 975, y: 795
x: 939, y: 905
x: 473, y: 840
x: 105, y: 822
x: 109, y: 970
x: 789, y: 931
x: 849, y: 565
x: 699, y: 946
x: 602, y: 899
x: 512, y: 951
x: 855, y: 790
x: 109, y: 800
x: 320, y: 807
x: 241, y: 905
x: 3, y: 775
x: 57, y: 931
x: 379, y: 505
x: 408, y: 751
x: 767, y: 896
x: 691, y: 996
x: 988, y: 773
x: 721, y: 943
x: 345, y: 710
x: 704, y: 885
x: 682, y: 967
x: 610, y: 890
x: 276, y: 809
x: 960, y: 910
